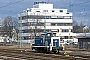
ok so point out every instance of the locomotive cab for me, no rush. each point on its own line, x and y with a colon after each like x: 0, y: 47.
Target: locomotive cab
x: 47, y: 42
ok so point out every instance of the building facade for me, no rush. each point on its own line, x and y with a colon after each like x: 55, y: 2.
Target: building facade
x: 44, y: 17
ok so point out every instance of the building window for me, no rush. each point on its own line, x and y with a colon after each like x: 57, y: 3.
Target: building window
x: 67, y: 13
x: 61, y: 10
x: 67, y: 24
x: 53, y: 24
x: 53, y: 17
x: 71, y: 30
x: 52, y: 10
x: 65, y: 30
x: 37, y: 11
x: 48, y: 17
x: 66, y: 37
x: 61, y: 24
x: 25, y: 38
x: 28, y: 10
x: 41, y: 24
x: 25, y: 31
x: 67, y: 17
x: 60, y: 17
x: 45, y: 10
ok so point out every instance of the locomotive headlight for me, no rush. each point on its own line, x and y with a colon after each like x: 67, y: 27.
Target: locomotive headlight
x: 41, y: 41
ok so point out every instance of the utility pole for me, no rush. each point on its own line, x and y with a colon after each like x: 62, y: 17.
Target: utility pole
x: 20, y: 32
x: 45, y: 23
x: 37, y: 23
x: 36, y: 17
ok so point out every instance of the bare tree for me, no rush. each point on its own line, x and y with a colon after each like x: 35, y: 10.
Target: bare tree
x: 75, y: 23
x: 9, y: 23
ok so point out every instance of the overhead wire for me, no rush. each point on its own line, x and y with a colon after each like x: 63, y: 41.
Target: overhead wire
x: 75, y: 4
x: 81, y: 3
x: 83, y: 13
x: 11, y: 3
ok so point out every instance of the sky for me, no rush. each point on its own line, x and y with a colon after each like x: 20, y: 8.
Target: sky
x: 79, y: 8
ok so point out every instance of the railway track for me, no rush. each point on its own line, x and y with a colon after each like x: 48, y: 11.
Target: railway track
x: 16, y: 54
x: 11, y: 56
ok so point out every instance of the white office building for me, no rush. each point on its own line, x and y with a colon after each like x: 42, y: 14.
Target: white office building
x: 44, y: 17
